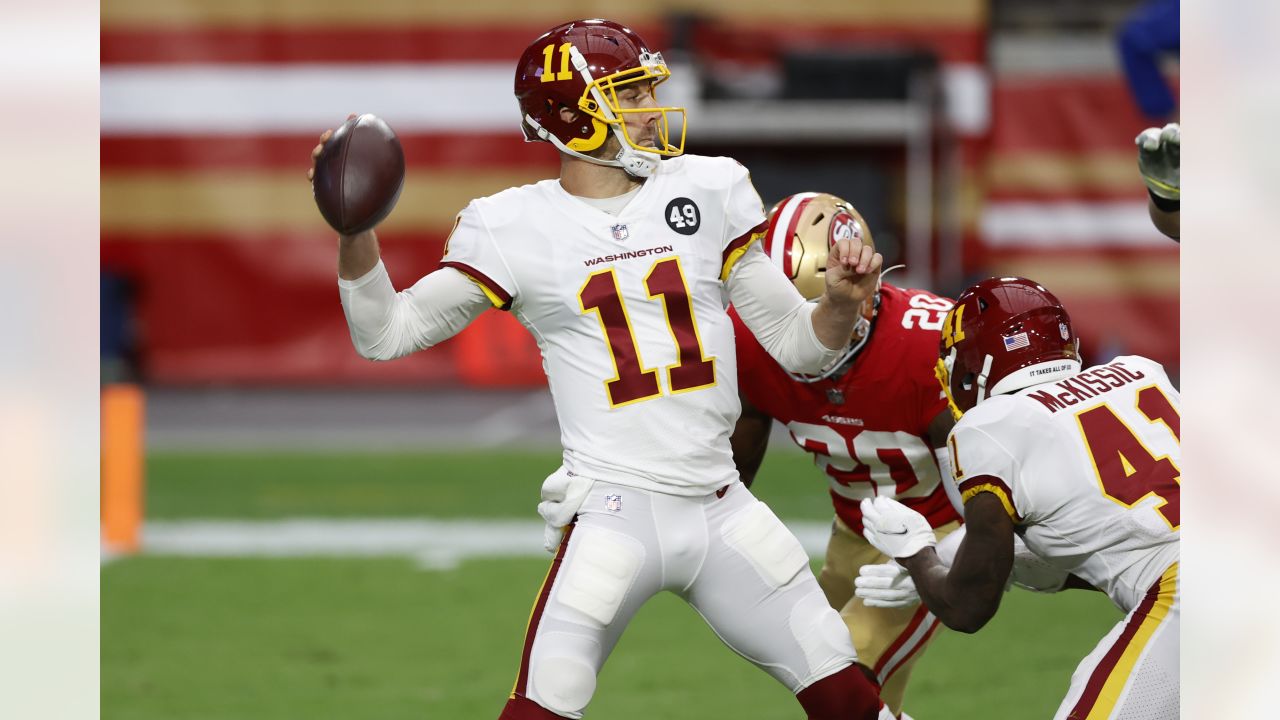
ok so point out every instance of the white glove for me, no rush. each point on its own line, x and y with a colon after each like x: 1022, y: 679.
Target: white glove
x: 1030, y: 572
x: 562, y: 496
x: 886, y: 585
x: 1159, y: 157
x: 895, y: 529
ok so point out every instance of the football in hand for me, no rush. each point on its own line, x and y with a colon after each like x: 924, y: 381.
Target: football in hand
x: 359, y: 175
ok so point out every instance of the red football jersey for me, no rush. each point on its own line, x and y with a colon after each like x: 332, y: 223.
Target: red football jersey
x: 868, y: 429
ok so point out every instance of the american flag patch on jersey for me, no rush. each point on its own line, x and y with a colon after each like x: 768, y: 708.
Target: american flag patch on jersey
x: 613, y: 503
x: 1013, y: 342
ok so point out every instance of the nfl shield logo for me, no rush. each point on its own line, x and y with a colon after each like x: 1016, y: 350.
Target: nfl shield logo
x: 613, y: 503
x: 620, y: 232
x: 1062, y: 330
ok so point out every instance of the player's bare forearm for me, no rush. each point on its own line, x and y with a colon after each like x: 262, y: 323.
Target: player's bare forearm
x: 968, y: 595
x: 939, y: 429
x: 357, y: 254
x: 750, y: 440
x: 833, y: 320
x: 1168, y: 222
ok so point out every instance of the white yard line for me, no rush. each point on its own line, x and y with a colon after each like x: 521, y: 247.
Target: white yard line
x: 434, y: 544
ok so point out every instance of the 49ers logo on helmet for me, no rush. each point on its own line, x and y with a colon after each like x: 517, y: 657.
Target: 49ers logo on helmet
x: 844, y: 227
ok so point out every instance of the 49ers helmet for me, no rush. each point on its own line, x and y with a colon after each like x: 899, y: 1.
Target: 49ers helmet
x: 581, y: 65
x: 802, y: 229
x: 1004, y: 334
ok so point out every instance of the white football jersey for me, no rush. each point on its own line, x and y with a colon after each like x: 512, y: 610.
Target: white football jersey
x: 629, y: 313
x: 1088, y: 467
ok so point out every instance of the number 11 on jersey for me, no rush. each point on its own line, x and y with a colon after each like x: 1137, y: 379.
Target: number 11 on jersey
x: 632, y: 382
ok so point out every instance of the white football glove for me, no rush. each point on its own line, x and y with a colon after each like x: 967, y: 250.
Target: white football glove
x: 895, y: 529
x: 886, y: 585
x: 1159, y: 157
x: 562, y: 496
x: 1030, y: 572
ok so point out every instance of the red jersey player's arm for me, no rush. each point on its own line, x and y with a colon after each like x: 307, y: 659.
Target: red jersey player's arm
x: 968, y: 595
x: 750, y: 440
x: 939, y: 428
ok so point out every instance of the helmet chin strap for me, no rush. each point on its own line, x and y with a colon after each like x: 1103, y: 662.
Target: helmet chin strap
x: 982, y: 379
x: 546, y: 135
x: 635, y: 163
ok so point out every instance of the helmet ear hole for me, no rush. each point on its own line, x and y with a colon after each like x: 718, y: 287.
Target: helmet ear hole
x: 982, y: 305
x: 967, y: 382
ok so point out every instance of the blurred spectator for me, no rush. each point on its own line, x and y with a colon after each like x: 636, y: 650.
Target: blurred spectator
x: 1148, y: 34
x: 117, y: 332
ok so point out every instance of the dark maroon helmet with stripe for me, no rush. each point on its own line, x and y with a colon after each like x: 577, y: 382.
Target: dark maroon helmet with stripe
x: 1004, y: 334
x: 582, y: 66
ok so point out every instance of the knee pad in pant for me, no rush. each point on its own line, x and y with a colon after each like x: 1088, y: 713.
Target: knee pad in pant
x: 821, y: 634
x: 759, y: 536
x: 563, y: 685
x: 604, y: 567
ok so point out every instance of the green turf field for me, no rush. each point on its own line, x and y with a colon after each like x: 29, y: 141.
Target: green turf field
x: 206, y: 639
x: 442, y: 485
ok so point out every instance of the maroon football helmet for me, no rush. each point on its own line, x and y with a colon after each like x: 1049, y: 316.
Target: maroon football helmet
x: 581, y: 65
x: 1004, y: 334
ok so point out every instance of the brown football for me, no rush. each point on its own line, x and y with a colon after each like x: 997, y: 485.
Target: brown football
x: 359, y: 175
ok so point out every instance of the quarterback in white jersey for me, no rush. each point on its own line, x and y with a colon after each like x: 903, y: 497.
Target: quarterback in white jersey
x: 622, y: 269
x: 628, y: 311
x: 1082, y: 465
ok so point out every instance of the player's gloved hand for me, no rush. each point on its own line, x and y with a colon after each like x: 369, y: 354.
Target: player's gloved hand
x: 895, y: 529
x: 1159, y: 151
x: 562, y: 495
x: 1030, y: 572
x: 886, y: 585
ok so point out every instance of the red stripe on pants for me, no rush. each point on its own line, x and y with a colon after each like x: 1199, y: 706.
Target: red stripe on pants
x: 522, y: 680
x: 916, y: 619
x: 1108, y: 663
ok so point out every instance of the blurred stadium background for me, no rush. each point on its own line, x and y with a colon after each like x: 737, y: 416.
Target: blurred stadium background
x: 293, y: 531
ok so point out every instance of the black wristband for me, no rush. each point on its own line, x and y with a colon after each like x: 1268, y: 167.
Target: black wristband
x: 1165, y: 204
